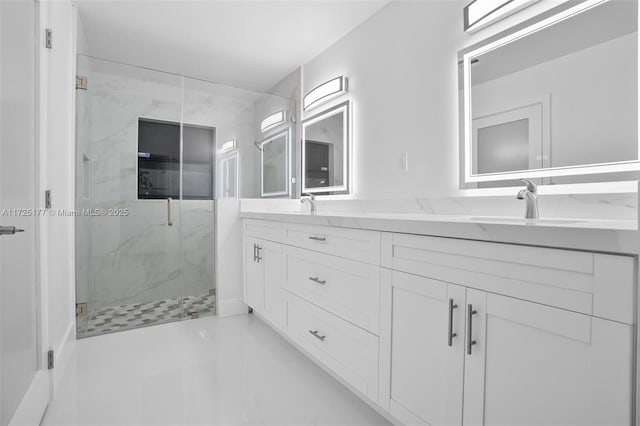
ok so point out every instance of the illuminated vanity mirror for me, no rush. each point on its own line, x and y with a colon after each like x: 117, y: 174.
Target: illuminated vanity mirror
x: 557, y: 100
x: 325, y: 151
x: 275, y: 165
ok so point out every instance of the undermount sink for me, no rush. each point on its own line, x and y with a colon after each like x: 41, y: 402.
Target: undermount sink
x: 523, y: 221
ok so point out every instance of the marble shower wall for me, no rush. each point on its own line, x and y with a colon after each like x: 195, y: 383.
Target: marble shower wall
x: 138, y: 258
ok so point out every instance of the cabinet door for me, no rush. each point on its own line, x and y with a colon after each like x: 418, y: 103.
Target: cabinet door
x: 271, y: 257
x: 253, y: 275
x: 536, y: 365
x: 426, y: 373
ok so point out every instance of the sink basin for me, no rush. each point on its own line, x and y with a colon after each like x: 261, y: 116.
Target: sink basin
x: 523, y: 221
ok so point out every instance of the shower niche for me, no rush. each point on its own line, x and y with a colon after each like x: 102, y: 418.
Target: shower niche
x: 159, y: 160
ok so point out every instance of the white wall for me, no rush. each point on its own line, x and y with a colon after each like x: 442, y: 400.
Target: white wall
x: 402, y: 70
x: 229, y: 258
x: 56, y: 164
x: 401, y: 67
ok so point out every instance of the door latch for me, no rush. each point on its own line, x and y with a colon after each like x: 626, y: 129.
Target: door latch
x: 9, y: 230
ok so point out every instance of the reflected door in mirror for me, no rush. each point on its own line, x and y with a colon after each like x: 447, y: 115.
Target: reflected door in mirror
x: 581, y: 66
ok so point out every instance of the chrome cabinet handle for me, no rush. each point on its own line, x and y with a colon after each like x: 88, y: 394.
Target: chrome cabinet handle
x: 318, y: 280
x: 258, y: 258
x: 316, y: 238
x: 316, y: 335
x: 255, y: 251
x: 470, y: 341
x: 169, y: 212
x: 9, y: 230
x: 451, y: 334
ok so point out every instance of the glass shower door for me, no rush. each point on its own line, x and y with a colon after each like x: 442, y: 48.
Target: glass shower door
x: 129, y: 269
x: 202, y: 126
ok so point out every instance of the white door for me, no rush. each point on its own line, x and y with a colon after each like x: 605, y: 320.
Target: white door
x: 23, y: 381
x: 426, y: 350
x: 253, y: 275
x: 536, y: 365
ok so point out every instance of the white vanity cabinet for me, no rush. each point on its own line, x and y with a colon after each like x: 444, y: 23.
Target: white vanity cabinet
x: 331, y: 278
x: 263, y: 269
x: 509, y: 361
x: 424, y: 347
x: 534, y: 364
x: 448, y: 331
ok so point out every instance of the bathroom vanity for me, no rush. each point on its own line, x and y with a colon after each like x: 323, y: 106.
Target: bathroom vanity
x: 456, y: 320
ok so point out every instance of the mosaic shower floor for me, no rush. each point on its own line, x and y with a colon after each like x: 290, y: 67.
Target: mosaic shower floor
x: 118, y: 318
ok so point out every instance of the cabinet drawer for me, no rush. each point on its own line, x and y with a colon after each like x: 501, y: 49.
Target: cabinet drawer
x: 346, y: 288
x: 350, y: 352
x: 354, y: 244
x: 265, y: 229
x: 590, y: 283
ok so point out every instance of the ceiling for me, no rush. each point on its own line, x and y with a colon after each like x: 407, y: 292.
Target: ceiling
x: 241, y: 43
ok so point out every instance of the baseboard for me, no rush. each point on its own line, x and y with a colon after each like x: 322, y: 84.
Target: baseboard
x: 227, y: 308
x: 34, y: 402
x: 63, y: 354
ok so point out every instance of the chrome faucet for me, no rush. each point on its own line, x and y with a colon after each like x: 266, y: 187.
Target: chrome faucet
x: 311, y: 200
x: 530, y: 195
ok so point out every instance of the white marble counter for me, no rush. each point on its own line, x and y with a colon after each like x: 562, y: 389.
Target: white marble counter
x: 611, y: 236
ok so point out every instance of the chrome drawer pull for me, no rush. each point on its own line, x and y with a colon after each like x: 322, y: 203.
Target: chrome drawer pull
x: 315, y: 334
x: 451, y: 333
x: 315, y: 238
x: 318, y: 280
x: 470, y: 341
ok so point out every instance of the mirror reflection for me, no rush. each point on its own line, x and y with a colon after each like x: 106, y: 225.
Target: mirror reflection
x: 325, y: 151
x: 563, y: 96
x: 275, y: 165
x: 228, y: 178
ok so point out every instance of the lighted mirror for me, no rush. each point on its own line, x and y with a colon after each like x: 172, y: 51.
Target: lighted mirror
x: 558, y: 98
x: 228, y: 176
x: 275, y: 165
x: 325, y: 151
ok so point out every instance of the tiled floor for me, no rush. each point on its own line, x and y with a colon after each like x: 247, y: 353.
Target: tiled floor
x: 209, y: 371
x: 118, y: 318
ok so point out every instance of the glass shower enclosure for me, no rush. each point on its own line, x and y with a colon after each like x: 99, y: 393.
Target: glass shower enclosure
x: 145, y: 192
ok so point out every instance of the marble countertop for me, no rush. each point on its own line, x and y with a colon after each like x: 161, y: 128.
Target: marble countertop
x: 610, y: 236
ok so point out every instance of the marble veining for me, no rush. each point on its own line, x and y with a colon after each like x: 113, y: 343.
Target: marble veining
x: 613, y: 236
x: 137, y: 258
x: 613, y: 206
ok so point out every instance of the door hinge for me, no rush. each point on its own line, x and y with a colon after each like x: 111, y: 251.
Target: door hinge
x: 50, y: 359
x: 81, y: 309
x: 47, y: 199
x: 81, y: 82
x: 48, y: 38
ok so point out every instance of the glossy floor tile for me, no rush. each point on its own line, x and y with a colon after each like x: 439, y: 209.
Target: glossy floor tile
x: 208, y: 371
